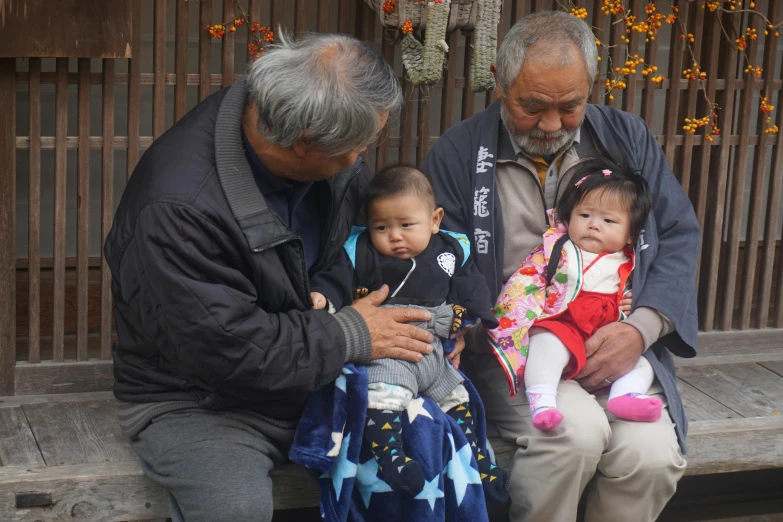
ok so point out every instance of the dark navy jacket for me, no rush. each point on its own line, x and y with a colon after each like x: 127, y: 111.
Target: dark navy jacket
x: 209, y: 307
x: 463, y: 160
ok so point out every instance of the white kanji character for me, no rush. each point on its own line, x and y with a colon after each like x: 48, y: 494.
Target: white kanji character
x: 480, y: 238
x: 481, y: 163
x: 480, y: 202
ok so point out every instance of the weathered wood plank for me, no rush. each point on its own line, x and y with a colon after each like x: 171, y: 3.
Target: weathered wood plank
x: 712, y: 235
x: 45, y: 304
x: 749, y: 389
x: 58, y: 398
x: 7, y: 225
x: 109, y: 33
x: 78, y: 432
x: 227, y: 53
x: 181, y: 62
x: 82, y: 208
x: 121, y: 142
x: 688, y: 109
x: 115, y: 491
x: 66, y: 377
x: 112, y: 491
x: 767, y: 340
x: 60, y: 175
x: 774, y: 366
x: 700, y: 406
x: 344, y: 16
x: 34, y: 215
x: 204, y: 49
x: 728, y: 359
x: 134, y: 92
x: 254, y: 15
x: 748, y: 291
x: 382, y: 156
x: 422, y: 129
x: 278, y: 12
x: 323, y: 16
x: 671, y: 121
x: 406, y: 122
x: 107, y: 206
x: 712, y: 41
x: 449, y: 79
x: 300, y: 17
x: 737, y: 196
x: 732, y: 445
x: 159, y: 70
x: 468, y: 98
x: 629, y: 93
x: 17, y: 444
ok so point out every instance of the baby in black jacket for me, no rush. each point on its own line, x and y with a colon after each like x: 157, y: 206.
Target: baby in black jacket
x: 404, y: 248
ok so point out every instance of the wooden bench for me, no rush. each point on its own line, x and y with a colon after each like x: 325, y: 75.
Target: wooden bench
x: 64, y: 458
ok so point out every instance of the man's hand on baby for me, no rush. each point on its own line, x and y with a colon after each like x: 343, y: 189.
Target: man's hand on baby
x: 319, y: 301
x: 611, y: 352
x: 625, y: 302
x: 390, y: 336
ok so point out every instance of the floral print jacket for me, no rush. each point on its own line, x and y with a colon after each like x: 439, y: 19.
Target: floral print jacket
x: 525, y: 298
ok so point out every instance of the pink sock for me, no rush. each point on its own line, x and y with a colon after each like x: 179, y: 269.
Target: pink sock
x: 636, y: 407
x: 547, y: 419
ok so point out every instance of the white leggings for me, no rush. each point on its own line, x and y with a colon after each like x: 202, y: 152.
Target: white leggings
x: 547, y: 358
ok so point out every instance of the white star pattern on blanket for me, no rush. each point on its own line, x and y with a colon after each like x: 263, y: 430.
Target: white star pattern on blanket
x: 416, y: 408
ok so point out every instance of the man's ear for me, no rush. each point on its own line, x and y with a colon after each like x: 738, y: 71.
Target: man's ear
x: 498, y: 90
x: 301, y: 146
x: 437, y: 217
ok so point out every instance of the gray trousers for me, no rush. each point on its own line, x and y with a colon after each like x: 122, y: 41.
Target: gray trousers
x: 433, y: 376
x: 214, y: 465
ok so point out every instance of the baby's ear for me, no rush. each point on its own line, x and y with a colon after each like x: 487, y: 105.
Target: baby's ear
x: 437, y: 217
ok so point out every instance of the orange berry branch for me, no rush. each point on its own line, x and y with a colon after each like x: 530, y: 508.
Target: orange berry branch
x: 259, y: 34
x: 651, y: 20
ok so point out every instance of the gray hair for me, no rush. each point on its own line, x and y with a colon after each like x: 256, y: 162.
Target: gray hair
x: 550, y: 33
x: 326, y: 88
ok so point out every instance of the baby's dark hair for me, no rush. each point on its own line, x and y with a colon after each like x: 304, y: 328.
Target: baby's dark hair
x: 589, y: 177
x: 399, y: 180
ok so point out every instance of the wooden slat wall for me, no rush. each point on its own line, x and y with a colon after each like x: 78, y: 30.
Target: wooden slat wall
x: 748, y: 289
x: 181, y: 62
x: 713, y: 226
x: 60, y: 173
x: 82, y: 208
x: 740, y: 280
x: 34, y: 214
x: 7, y: 225
x: 134, y: 92
x: 159, y: 68
x: 107, y: 206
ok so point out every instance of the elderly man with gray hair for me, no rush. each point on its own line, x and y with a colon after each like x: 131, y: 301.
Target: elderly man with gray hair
x: 495, y: 175
x: 223, y: 222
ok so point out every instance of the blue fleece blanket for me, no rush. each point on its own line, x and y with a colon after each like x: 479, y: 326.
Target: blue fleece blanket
x: 329, y: 440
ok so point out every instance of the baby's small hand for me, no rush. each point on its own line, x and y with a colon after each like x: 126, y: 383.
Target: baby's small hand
x: 319, y: 301
x: 625, y: 302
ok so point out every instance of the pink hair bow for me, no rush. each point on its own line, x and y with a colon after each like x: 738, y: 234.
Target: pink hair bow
x: 605, y: 172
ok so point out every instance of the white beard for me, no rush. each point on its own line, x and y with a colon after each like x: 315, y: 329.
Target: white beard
x: 531, y: 146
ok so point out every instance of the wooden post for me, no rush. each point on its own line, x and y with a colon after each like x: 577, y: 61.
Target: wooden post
x: 7, y: 235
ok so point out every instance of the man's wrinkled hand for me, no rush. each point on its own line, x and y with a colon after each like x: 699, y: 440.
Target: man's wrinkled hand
x: 611, y: 352
x: 390, y: 336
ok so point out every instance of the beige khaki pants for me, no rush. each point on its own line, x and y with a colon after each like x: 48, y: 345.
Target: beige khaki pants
x: 630, y: 469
